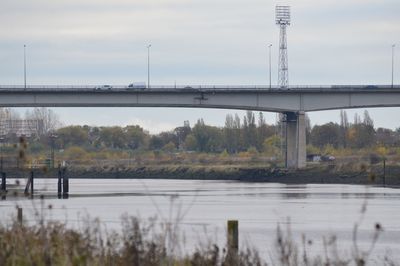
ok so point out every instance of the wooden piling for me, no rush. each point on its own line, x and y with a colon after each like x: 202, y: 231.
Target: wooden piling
x: 3, y: 182
x: 233, y: 236
x: 65, y: 183
x: 384, y: 171
x: 19, y: 215
x: 28, y: 184
x: 32, y: 177
x: 59, y: 187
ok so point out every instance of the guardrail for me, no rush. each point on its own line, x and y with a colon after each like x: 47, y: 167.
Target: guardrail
x: 194, y: 87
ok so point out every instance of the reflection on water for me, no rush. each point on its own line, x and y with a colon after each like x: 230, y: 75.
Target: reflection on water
x: 314, y: 210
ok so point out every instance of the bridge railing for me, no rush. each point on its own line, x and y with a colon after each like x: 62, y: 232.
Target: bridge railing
x: 195, y: 87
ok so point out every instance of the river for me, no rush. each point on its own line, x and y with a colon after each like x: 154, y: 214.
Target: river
x: 316, y: 211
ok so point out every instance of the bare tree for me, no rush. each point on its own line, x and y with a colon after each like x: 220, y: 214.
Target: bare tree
x: 47, y: 118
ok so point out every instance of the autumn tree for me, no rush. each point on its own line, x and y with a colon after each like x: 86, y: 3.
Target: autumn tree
x: 327, y: 134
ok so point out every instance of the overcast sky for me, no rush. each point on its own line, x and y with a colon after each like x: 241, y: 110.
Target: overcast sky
x: 196, y: 42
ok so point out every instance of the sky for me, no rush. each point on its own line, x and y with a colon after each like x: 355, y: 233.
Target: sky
x: 197, y: 42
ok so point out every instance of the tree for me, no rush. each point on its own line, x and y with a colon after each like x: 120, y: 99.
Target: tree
x: 368, y: 120
x: 229, y: 134
x: 200, y: 134
x: 261, y: 131
x: 249, y: 130
x: 308, y: 127
x: 208, y: 138
x: 238, y: 141
x: 271, y: 146
x: 48, y: 118
x: 182, y: 132
x: 344, y: 127
x: 72, y: 136
x: 327, y: 134
x: 190, y: 143
x: 113, y: 137
x: 169, y: 147
x: 135, y: 137
x: 361, y: 136
x: 155, y: 143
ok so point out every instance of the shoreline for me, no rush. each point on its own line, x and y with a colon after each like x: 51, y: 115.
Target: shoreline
x: 314, y: 174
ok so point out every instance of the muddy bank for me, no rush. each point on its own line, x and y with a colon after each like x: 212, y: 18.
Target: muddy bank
x: 321, y: 174
x: 314, y: 174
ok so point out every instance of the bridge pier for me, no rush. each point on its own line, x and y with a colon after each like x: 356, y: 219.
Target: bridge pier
x: 295, y: 140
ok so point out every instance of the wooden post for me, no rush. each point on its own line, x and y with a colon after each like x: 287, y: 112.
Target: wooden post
x: 3, y: 182
x: 59, y: 187
x: 384, y: 171
x: 28, y: 184
x: 32, y: 183
x: 233, y: 236
x: 19, y: 215
x: 65, y: 183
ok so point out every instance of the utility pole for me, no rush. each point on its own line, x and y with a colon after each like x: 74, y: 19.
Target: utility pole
x: 24, y: 66
x: 393, y: 46
x: 269, y: 47
x: 148, y: 66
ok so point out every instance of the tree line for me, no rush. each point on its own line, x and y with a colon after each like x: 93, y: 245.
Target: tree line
x: 239, y: 134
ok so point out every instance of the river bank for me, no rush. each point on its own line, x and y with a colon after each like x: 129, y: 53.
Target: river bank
x: 351, y: 173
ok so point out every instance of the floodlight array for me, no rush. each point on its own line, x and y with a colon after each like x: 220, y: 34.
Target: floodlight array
x: 282, y: 15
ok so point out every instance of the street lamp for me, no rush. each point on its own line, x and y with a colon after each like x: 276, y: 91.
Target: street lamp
x: 269, y: 47
x: 393, y: 46
x: 52, y: 137
x: 148, y: 65
x: 1, y: 156
x: 24, y: 66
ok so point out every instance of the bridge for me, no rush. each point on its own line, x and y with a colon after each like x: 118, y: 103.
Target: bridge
x: 294, y: 101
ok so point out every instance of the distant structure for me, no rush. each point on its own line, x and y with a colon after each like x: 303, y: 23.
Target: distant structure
x: 21, y: 127
x: 283, y: 20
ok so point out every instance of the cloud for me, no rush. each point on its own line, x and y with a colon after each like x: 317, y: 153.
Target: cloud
x: 196, y: 42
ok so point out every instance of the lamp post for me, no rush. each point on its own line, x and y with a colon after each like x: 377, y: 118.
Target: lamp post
x: 393, y: 46
x: 148, y: 65
x: 24, y: 66
x: 1, y: 152
x: 269, y: 58
x: 52, y: 137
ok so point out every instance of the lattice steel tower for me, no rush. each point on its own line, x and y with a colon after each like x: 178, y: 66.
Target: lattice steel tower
x: 283, y: 20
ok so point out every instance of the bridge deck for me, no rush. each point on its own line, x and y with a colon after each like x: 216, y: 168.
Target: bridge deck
x: 261, y: 98
x: 202, y: 88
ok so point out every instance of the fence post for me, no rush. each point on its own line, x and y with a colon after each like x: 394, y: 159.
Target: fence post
x: 3, y: 182
x: 233, y: 236
x: 65, y: 183
x: 19, y: 215
x: 384, y: 171
x: 59, y: 187
x: 32, y: 177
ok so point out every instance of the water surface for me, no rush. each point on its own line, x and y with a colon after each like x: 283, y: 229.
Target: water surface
x: 316, y: 211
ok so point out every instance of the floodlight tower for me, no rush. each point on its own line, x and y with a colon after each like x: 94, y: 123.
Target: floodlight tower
x: 283, y: 20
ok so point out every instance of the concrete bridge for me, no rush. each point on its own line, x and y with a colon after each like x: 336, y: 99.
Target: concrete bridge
x: 294, y: 101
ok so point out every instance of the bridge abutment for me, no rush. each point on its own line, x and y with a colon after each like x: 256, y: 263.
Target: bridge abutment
x: 295, y: 140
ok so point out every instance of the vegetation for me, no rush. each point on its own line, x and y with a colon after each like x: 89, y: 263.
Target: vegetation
x: 148, y: 243
x: 249, y: 140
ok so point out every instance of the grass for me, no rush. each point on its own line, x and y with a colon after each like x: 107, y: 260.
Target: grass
x: 150, y: 242
x: 53, y: 243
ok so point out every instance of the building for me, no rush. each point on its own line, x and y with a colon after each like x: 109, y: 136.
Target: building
x: 21, y: 127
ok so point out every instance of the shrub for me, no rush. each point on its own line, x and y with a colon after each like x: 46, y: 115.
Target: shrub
x: 75, y: 153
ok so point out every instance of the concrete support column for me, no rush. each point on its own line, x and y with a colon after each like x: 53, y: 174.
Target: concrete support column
x: 295, y: 140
